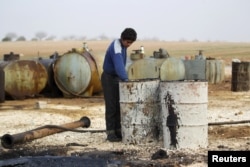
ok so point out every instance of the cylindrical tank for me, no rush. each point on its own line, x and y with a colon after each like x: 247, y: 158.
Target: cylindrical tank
x: 51, y: 88
x: 76, y: 74
x: 184, y: 114
x: 24, y: 78
x: 240, y: 76
x: 215, y: 71
x: 2, y: 93
x: 140, y: 111
x: 172, y: 69
x: 147, y: 68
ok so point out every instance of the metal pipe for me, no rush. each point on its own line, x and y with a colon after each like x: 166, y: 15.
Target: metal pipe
x: 228, y: 123
x: 8, y: 140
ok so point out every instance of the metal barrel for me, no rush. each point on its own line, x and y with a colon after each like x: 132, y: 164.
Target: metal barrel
x: 8, y: 141
x: 24, y: 78
x: 51, y: 89
x: 2, y: 93
x: 184, y: 114
x: 240, y: 76
x: 140, y: 111
x: 215, y: 71
x: 172, y: 69
x: 76, y: 74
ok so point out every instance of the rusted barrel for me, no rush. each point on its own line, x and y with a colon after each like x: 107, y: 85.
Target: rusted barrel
x: 172, y: 69
x: 184, y: 114
x: 215, y: 71
x: 2, y: 94
x: 76, y: 74
x: 24, y: 78
x: 147, y: 68
x: 140, y: 111
x: 240, y: 76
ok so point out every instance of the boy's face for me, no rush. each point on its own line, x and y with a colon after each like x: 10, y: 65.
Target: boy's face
x: 126, y: 43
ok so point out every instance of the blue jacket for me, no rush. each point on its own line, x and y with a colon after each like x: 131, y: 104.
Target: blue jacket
x: 115, y: 60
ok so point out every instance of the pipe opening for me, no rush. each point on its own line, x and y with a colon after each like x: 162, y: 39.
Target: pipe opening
x: 86, y: 122
x: 7, y: 141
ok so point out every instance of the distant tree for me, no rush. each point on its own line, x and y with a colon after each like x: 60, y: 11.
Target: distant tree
x: 50, y: 38
x: 6, y: 39
x: 11, y: 35
x: 21, y: 38
x: 71, y: 37
x: 34, y: 39
x: 182, y: 40
x: 103, y: 37
x: 82, y: 38
x: 40, y: 35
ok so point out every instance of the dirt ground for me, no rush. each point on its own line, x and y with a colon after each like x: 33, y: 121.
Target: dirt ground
x: 22, y: 115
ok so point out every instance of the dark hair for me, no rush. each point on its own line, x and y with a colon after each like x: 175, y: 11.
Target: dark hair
x: 129, y: 34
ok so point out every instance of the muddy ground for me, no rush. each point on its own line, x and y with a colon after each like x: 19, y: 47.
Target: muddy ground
x: 68, y: 148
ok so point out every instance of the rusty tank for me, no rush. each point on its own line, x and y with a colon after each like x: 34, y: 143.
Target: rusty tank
x: 23, y: 78
x: 51, y: 89
x: 76, y: 74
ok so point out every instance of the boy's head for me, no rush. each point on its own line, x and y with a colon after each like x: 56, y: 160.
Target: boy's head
x: 128, y: 36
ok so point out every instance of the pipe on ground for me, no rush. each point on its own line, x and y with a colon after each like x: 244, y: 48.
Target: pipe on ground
x: 8, y: 141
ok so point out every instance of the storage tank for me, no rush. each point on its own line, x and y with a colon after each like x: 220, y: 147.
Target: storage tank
x: 23, y: 78
x: 215, y: 71
x: 240, y: 76
x: 172, y: 69
x: 147, y: 68
x: 76, y: 74
x: 51, y: 89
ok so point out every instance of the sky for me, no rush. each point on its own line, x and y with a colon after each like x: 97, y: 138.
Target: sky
x: 169, y: 20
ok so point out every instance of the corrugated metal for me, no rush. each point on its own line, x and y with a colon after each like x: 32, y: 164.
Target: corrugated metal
x: 24, y: 78
x: 76, y: 74
x: 215, y: 71
x: 184, y: 114
x: 140, y: 111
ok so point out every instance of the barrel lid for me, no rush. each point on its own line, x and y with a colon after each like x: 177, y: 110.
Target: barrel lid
x: 72, y: 73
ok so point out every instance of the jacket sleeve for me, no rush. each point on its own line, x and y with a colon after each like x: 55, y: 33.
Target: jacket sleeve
x: 120, y: 67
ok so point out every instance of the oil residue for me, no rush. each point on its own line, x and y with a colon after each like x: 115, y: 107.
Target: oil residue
x: 172, y: 119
